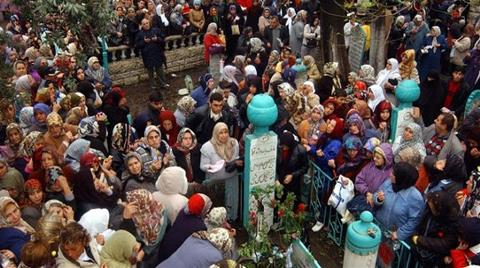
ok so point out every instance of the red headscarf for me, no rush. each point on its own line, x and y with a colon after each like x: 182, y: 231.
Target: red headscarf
x: 171, y: 135
x: 88, y: 159
x: 337, y: 132
x: 383, y: 105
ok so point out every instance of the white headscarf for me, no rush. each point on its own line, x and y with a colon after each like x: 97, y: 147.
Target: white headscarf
x: 289, y: 21
x: 384, y: 75
x: 161, y: 14
x: 434, y: 33
x: 379, y: 96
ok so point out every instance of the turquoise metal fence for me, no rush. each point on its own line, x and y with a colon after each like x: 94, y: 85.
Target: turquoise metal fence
x: 321, y: 187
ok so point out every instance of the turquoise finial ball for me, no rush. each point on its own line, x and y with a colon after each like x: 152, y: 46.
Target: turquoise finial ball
x: 407, y: 91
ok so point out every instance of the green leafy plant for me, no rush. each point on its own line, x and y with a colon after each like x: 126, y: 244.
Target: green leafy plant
x: 261, y: 246
x: 86, y: 19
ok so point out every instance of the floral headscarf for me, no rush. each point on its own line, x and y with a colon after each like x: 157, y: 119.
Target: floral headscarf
x: 22, y: 225
x: 26, y: 119
x: 54, y: 119
x: 330, y: 68
x: 181, y: 134
x: 216, y: 217
x: 186, y: 105
x: 28, y: 144
x: 367, y: 74
x: 122, y: 136
x: 149, y: 217
x: 256, y: 45
x: 218, y: 237
x: 88, y: 127
x: 416, y: 142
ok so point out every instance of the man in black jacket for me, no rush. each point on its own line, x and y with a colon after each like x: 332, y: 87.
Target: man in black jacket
x: 151, y: 44
x: 276, y: 35
x: 149, y: 116
x: 204, y: 118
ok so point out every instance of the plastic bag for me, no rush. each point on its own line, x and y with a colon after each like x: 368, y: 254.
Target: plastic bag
x: 341, y: 195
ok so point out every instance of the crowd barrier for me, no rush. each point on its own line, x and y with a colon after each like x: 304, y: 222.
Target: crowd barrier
x: 321, y: 186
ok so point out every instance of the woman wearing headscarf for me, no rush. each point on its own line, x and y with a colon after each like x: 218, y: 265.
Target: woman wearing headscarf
x: 56, y: 136
x: 212, y: 42
x: 411, y: 137
x: 14, y: 231
x: 187, y: 155
x: 289, y: 17
x: 99, y: 76
x: 185, y: 106
x: 33, y: 202
x: 433, y: 47
x: 408, y: 66
x: 23, y: 92
x: 202, y: 92
x: 11, y: 180
x: 219, y: 160
x: 93, y: 129
x: 381, y: 119
x: 272, y: 62
x: 386, y: 76
x: 438, y: 230
x: 292, y: 164
x: 296, y: 32
x: 40, y: 112
x: 74, y: 152
x: 351, y: 159
x: 25, y: 119
x: 233, y: 26
x: 314, y: 125
x: 147, y: 220
x: 460, y: 46
x: 123, y: 137
x: 178, y: 24
x: 356, y: 127
x: 116, y: 109
x: 330, y: 84
x: 121, y: 250
x: 257, y: 54
x: 234, y: 75
x: 264, y: 20
x: 203, y: 249
x: 93, y: 188
x: 375, y: 96
x: 312, y: 70
x: 367, y: 74
x: 399, y: 204
x: 328, y: 146
x: 96, y: 222
x: 171, y: 188
x: 169, y: 127
x: 429, y: 103
x: 134, y: 176
x: 190, y: 219
x: 155, y: 153
x: 12, y: 150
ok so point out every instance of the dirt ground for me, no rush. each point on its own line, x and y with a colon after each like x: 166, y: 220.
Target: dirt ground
x: 324, y: 250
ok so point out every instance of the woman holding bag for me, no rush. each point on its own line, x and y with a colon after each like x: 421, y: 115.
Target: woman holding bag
x: 212, y: 42
x: 223, y: 148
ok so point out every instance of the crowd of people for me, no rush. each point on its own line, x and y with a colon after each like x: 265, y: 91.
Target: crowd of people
x: 87, y: 184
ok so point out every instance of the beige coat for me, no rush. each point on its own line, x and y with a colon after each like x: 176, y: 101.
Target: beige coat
x: 197, y: 19
x: 63, y: 262
x: 462, y: 46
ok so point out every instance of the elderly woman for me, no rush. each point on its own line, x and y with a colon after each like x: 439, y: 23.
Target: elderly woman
x: 178, y: 24
x: 171, y: 187
x: 14, y: 231
x: 203, y: 248
x: 185, y: 106
x: 399, y: 204
x: 12, y: 151
x: 434, y: 44
x: 98, y: 75
x: 55, y: 137
x: 387, y: 77
x: 190, y: 219
x: 23, y: 92
x: 134, y: 176
x: 220, y: 161
x: 40, y: 112
x: 212, y: 42
x: 296, y: 32
x: 147, y: 220
x: 11, y: 180
x: 155, y: 153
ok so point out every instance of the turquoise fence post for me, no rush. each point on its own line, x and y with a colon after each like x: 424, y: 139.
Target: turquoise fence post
x: 361, y: 244
x: 104, y: 53
x: 406, y: 93
x: 260, y: 157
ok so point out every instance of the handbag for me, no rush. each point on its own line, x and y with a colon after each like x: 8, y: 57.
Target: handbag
x: 216, y: 49
x: 311, y: 43
x: 235, y: 29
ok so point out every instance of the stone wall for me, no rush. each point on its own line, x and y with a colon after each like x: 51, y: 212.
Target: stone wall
x: 131, y: 71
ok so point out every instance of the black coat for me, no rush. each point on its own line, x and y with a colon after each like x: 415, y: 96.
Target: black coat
x: 141, y: 120
x: 202, y: 124
x: 198, y: 174
x: 459, y: 100
x: 284, y: 36
x: 153, y: 52
x: 296, y: 165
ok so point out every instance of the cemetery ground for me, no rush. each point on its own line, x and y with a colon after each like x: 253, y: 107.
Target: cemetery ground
x: 327, y: 253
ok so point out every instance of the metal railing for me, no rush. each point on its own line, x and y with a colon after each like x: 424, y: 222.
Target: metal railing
x: 321, y: 186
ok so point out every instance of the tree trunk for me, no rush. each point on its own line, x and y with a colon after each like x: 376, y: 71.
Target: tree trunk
x: 378, y: 43
x: 332, y: 17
